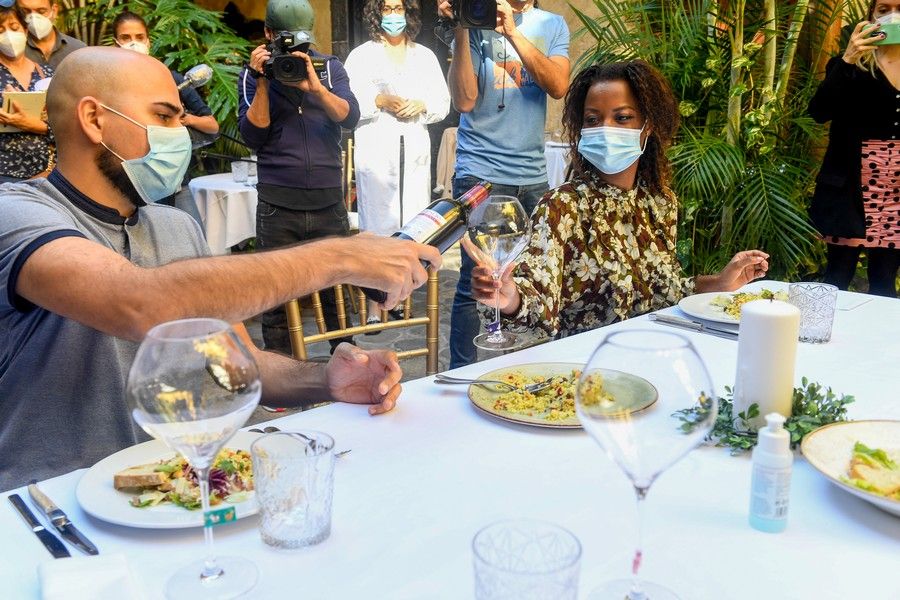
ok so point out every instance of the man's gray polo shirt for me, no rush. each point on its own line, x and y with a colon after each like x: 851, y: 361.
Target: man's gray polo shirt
x: 64, y: 46
x: 62, y: 384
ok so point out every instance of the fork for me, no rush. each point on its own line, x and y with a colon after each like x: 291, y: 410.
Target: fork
x: 531, y: 387
x: 271, y: 429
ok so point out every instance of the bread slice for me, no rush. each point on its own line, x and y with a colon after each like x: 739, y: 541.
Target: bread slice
x: 141, y: 476
x: 885, y: 481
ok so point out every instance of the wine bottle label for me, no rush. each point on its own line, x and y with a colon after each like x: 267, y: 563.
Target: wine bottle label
x: 420, y: 227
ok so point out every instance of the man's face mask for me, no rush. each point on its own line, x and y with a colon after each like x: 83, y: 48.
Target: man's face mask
x: 158, y: 174
x: 39, y: 25
x: 139, y: 47
x: 611, y: 149
x: 12, y: 43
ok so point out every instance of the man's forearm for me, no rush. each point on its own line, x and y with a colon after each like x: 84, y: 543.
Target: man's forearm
x: 258, y: 113
x: 461, y: 76
x: 290, y: 383
x: 553, y: 78
x: 335, y: 107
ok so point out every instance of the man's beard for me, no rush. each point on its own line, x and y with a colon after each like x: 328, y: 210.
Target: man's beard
x: 111, y: 168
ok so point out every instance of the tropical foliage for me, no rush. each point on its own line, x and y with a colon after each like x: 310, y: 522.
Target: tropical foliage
x: 183, y: 35
x: 747, y: 152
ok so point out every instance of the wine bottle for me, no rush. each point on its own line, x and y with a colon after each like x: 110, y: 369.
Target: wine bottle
x: 440, y: 225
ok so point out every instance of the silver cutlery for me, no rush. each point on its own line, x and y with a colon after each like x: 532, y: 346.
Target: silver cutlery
x: 271, y: 429
x: 60, y: 521
x: 50, y: 541
x: 532, y: 387
x: 697, y: 326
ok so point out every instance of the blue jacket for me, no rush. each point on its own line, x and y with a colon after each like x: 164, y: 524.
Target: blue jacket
x: 301, y: 147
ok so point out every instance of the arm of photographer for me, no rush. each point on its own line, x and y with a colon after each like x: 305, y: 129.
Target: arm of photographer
x: 551, y: 71
x: 253, y: 101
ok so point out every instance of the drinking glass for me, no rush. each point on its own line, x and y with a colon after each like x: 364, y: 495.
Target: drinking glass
x: 499, y: 229
x: 525, y: 559
x: 627, y: 399
x: 293, y: 473
x: 240, y: 171
x: 192, y: 385
x: 816, y: 302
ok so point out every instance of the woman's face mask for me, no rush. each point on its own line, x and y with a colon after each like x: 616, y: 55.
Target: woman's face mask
x: 12, y: 43
x: 890, y: 18
x: 393, y: 24
x: 611, y: 149
x: 139, y: 47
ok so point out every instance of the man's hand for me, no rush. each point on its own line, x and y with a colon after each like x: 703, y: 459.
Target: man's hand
x: 410, y: 109
x: 258, y: 58
x: 506, y: 24
x: 383, y: 263
x: 861, y: 41
x: 745, y: 267
x: 390, y: 103
x: 364, y: 377
x: 310, y: 85
x: 445, y: 9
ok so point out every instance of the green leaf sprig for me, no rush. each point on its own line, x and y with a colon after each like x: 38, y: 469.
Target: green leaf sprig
x: 811, y: 408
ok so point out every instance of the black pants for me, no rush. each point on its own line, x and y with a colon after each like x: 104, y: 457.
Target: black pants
x: 882, y: 268
x: 277, y: 227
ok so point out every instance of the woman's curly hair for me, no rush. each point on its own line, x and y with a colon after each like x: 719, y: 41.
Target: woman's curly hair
x: 372, y: 19
x: 657, y: 104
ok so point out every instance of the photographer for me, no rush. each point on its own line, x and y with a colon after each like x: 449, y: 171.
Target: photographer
x: 500, y: 87
x: 293, y: 120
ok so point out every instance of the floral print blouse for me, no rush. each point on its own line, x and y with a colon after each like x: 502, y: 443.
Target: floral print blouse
x: 597, y: 255
x: 24, y: 155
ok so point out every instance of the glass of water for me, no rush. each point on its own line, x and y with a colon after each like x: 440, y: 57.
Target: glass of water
x: 816, y: 302
x: 526, y: 559
x: 293, y: 475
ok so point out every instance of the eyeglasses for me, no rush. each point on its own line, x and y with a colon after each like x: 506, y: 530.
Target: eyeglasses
x: 386, y: 10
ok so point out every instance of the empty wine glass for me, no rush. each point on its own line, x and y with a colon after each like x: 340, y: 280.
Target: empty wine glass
x: 499, y: 229
x: 627, y: 399
x: 192, y: 385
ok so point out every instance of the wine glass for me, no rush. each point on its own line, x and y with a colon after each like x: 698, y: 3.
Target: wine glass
x: 192, y: 385
x: 499, y: 229
x: 628, y: 398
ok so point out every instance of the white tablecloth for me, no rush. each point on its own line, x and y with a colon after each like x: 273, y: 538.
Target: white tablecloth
x: 557, y: 155
x: 227, y: 210
x: 424, y: 478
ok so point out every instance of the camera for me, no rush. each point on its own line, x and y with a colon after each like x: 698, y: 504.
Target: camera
x: 284, y: 67
x: 476, y: 14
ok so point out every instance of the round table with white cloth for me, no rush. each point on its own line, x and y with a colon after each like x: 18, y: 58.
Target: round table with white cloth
x: 227, y: 210
x: 557, y: 155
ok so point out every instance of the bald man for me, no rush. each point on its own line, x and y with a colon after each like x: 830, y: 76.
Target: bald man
x: 88, y: 263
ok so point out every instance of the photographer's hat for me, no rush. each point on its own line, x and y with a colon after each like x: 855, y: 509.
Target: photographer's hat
x: 296, y: 16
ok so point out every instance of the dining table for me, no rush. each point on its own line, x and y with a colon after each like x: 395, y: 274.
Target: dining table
x: 423, y: 479
x: 227, y: 210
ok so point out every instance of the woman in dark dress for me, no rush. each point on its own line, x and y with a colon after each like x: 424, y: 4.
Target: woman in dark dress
x: 856, y: 204
x: 28, y: 152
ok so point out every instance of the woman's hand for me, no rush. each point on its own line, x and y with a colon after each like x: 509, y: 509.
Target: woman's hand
x: 410, y: 109
x: 745, y: 267
x: 485, y: 288
x: 862, y: 41
x: 22, y: 121
x: 390, y: 103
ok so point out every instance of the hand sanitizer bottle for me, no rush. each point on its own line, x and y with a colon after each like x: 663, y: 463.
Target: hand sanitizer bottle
x: 771, y: 481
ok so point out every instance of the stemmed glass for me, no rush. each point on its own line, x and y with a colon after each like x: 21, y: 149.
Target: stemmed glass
x: 192, y: 385
x: 499, y: 229
x: 627, y: 399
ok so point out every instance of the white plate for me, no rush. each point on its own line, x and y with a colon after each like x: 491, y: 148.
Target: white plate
x: 98, y: 497
x: 699, y: 306
x: 830, y: 448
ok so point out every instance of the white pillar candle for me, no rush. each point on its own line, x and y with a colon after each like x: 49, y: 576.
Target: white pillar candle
x: 767, y: 349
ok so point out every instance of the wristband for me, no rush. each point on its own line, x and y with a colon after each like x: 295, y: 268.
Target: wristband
x: 253, y: 72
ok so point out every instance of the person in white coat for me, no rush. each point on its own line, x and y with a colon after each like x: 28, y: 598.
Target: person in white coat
x: 401, y: 90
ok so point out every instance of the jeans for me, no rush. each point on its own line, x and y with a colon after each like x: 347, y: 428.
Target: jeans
x: 464, y: 320
x: 881, y: 271
x: 277, y: 227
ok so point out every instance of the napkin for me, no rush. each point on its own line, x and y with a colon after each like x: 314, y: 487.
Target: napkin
x: 103, y: 577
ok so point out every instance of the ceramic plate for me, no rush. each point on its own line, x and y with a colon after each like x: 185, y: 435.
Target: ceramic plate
x: 484, y: 396
x: 98, y: 497
x: 830, y: 448
x: 700, y: 306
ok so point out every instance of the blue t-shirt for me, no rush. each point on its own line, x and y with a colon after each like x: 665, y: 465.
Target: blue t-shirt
x: 507, y: 146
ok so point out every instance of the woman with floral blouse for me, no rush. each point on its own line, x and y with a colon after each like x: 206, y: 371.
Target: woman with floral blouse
x: 603, y: 244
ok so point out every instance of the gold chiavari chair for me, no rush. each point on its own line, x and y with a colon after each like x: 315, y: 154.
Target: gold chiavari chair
x: 430, y: 321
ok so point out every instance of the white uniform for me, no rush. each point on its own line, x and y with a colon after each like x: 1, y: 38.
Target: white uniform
x: 377, y: 147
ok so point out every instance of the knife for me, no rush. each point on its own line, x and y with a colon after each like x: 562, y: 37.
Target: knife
x: 50, y: 541
x: 693, y: 326
x: 60, y: 521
